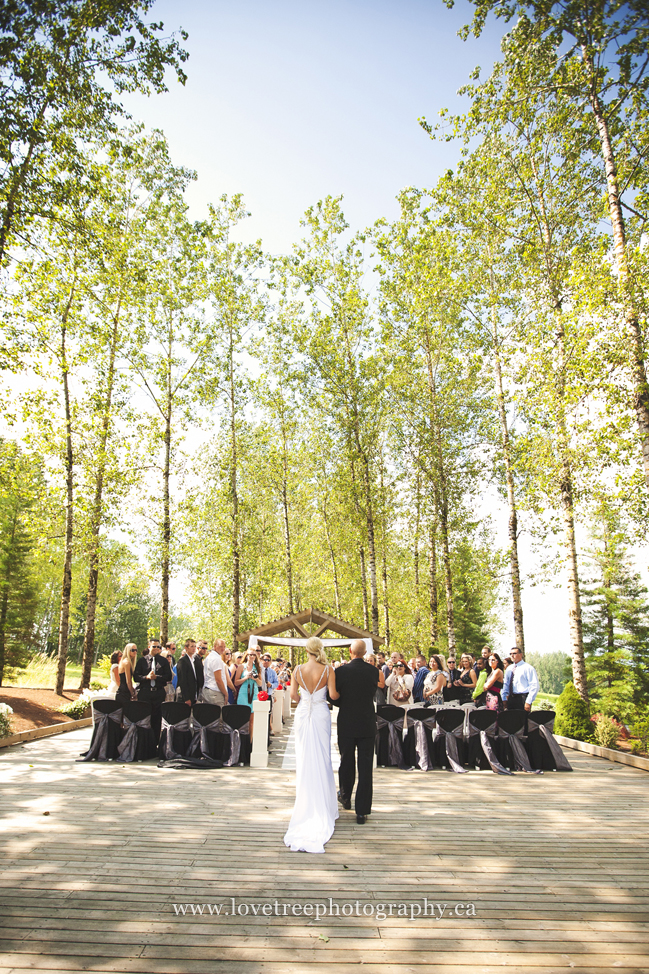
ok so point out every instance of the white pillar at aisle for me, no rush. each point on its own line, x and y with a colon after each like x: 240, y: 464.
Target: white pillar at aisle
x: 259, y: 756
x: 278, y: 707
x: 286, y: 711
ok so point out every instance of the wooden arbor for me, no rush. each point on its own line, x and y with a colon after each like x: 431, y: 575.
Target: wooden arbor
x: 319, y: 623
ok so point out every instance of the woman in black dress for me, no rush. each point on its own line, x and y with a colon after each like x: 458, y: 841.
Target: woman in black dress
x: 126, y: 690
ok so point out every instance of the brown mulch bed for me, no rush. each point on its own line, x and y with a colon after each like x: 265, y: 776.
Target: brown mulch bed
x: 35, y: 708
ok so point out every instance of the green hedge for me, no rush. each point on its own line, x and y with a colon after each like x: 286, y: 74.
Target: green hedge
x: 573, y: 716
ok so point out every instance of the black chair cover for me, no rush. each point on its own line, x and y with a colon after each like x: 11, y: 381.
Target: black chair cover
x: 419, y: 725
x: 107, y: 731
x: 208, y: 731
x: 448, y: 739
x: 483, y: 731
x: 138, y: 743
x: 176, y: 733
x: 511, y: 734
x: 542, y: 748
x: 389, y: 732
x: 235, y: 728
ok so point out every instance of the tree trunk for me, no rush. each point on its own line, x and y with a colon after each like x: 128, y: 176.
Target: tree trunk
x: 66, y: 588
x: 567, y: 508
x: 417, y: 619
x: 386, y: 605
x: 4, y: 607
x: 434, y: 612
x: 166, y: 519
x: 511, y: 494
x: 366, y: 619
x: 333, y: 558
x: 634, y: 329
x: 371, y: 547
x: 236, y: 555
x: 287, y: 538
x: 96, y: 518
x: 441, y: 503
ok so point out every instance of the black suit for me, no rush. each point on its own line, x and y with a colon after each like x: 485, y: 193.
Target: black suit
x: 153, y: 691
x: 190, y: 680
x: 356, y: 682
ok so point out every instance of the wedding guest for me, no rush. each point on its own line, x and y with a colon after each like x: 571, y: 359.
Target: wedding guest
x: 190, y: 674
x: 484, y: 654
x: 248, y: 679
x: 215, y: 672
x: 400, y: 683
x: 202, y: 649
x: 380, y: 660
x: 421, y: 672
x: 493, y: 686
x: 170, y: 689
x: 433, y: 689
x: 467, y: 679
x: 126, y: 691
x: 379, y: 696
x: 521, y: 683
x: 478, y: 695
x: 248, y: 682
x: 152, y: 673
x: 113, y: 686
x: 453, y: 673
x: 271, y: 680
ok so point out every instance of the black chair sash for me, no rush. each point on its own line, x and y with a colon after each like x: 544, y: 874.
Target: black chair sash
x: 235, y: 741
x: 128, y: 746
x: 98, y: 750
x: 395, y: 733
x: 521, y: 760
x: 422, y: 752
x: 199, y: 744
x: 560, y: 760
x: 487, y: 748
x: 451, y: 742
x: 167, y: 734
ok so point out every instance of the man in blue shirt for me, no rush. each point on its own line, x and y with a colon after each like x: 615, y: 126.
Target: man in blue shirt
x: 420, y: 676
x: 521, y: 683
x: 270, y: 676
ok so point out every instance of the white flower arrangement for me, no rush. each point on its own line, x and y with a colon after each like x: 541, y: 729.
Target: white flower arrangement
x: 5, y: 719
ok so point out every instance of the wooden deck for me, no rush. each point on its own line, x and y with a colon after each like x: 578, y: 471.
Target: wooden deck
x: 557, y: 866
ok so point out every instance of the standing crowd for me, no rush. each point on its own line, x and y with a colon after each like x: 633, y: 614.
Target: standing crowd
x: 488, y: 681
x: 199, y: 675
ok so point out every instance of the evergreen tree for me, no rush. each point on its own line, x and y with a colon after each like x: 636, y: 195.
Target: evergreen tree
x: 21, y: 481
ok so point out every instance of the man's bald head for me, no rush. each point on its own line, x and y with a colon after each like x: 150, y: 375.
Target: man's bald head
x: 357, y: 648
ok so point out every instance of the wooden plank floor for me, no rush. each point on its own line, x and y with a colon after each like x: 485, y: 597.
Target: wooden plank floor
x: 556, y: 866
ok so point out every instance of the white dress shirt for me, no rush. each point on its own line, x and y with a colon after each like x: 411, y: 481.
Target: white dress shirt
x: 521, y: 678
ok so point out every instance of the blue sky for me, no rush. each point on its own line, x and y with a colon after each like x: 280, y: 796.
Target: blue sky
x: 289, y: 101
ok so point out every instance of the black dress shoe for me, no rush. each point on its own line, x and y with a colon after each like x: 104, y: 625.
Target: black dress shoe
x: 345, y: 802
x: 361, y: 819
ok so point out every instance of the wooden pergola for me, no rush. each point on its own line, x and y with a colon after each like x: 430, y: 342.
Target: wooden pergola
x: 320, y: 623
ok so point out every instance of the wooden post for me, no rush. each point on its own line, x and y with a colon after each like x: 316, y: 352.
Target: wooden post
x: 259, y: 756
x: 278, y: 709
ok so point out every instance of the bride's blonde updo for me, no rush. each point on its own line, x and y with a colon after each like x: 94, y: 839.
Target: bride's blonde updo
x: 315, y: 648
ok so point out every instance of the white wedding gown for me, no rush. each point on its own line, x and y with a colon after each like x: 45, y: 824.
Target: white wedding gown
x: 316, y: 807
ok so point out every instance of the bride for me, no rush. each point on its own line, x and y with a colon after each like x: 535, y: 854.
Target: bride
x: 316, y: 806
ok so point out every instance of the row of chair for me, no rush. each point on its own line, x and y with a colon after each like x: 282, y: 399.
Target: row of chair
x: 452, y: 738
x: 207, y: 731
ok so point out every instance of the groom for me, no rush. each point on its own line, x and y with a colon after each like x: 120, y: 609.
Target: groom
x: 356, y: 683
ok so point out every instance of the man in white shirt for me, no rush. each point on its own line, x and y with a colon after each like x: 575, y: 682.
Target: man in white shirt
x: 215, y: 687
x: 521, y: 683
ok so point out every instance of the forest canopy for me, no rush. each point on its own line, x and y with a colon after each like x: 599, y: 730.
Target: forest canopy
x: 325, y: 428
